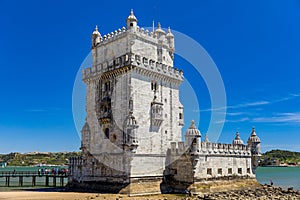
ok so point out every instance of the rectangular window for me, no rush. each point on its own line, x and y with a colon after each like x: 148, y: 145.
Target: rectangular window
x: 229, y: 170
x: 209, y: 171
x: 107, y: 86
x: 220, y: 171
x: 239, y: 170
x: 248, y: 170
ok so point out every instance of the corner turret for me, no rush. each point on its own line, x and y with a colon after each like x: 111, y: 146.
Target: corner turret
x: 160, y: 33
x: 193, y: 138
x: 254, y: 145
x: 170, y: 40
x: 131, y: 21
x: 96, y: 37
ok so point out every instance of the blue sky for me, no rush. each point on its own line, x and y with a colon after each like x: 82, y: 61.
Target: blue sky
x: 255, y: 45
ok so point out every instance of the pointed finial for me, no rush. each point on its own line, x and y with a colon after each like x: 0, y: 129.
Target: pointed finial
x: 206, y: 138
x: 169, y: 29
x: 158, y: 25
x: 192, y: 126
x: 253, y: 131
x: 96, y: 32
x: 131, y: 17
x: 237, y: 135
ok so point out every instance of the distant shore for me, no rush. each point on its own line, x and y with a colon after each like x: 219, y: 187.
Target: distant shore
x: 279, y: 166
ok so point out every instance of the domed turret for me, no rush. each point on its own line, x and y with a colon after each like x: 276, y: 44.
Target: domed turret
x: 192, y: 137
x: 170, y: 38
x: 193, y: 131
x: 160, y: 32
x: 237, y: 139
x: 254, y: 145
x: 96, y: 37
x: 253, y: 137
x: 131, y: 21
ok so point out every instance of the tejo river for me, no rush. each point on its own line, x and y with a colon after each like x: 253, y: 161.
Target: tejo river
x: 281, y: 176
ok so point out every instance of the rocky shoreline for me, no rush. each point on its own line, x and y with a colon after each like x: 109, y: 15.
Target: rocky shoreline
x: 265, y: 192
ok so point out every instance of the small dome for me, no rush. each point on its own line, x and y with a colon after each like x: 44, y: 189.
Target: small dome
x: 253, y: 137
x: 96, y: 32
x: 193, y: 130
x: 85, y: 128
x: 237, y: 139
x: 159, y: 30
x: 131, y: 17
x: 170, y: 34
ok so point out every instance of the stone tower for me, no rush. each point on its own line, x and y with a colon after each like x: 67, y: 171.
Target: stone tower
x: 132, y: 104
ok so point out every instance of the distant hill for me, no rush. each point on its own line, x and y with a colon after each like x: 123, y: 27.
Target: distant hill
x: 34, y: 158
x: 280, y: 157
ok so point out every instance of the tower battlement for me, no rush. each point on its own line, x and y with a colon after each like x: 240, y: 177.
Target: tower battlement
x: 142, y: 33
x: 129, y: 61
x: 210, y: 148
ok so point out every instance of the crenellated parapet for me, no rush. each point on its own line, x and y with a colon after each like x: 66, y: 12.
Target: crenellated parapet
x: 140, y: 33
x: 139, y: 64
x: 210, y: 148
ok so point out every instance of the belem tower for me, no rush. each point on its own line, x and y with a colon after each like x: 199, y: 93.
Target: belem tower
x: 132, y: 136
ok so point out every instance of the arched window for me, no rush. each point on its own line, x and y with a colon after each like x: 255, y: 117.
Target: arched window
x: 106, y: 132
x: 180, y: 116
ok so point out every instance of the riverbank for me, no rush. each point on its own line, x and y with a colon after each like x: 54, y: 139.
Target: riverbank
x: 263, y: 192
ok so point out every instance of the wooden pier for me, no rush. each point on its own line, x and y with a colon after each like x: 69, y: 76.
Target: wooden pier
x: 49, y: 178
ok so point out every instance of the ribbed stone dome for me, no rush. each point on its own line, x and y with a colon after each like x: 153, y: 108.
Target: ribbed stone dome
x: 237, y: 139
x: 159, y: 30
x: 131, y: 17
x: 96, y: 32
x: 192, y: 130
x: 170, y: 34
x: 253, y: 137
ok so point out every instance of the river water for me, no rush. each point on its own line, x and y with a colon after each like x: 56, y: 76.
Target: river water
x: 281, y: 176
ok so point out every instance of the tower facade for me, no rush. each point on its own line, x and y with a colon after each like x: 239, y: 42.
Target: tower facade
x: 132, y: 104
